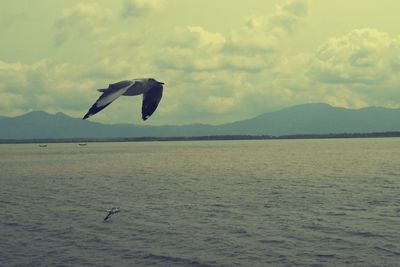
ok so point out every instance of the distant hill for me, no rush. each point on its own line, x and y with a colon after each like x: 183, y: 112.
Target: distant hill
x: 303, y: 119
x: 319, y: 119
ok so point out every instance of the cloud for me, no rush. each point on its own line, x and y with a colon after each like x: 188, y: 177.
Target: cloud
x: 363, y: 56
x: 10, y: 103
x: 236, y: 73
x: 198, y: 38
x: 134, y: 8
x: 253, y: 47
x: 17, y: 85
x: 264, y: 34
x: 110, y: 68
x: 189, y: 61
x: 290, y: 15
x: 192, y: 49
x: 357, y: 69
x: 44, y: 85
x: 16, y: 77
x: 118, y: 41
x: 84, y: 20
x: 252, y: 39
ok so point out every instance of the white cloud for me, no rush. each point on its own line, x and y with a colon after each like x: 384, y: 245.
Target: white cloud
x: 290, y: 15
x: 133, y: 8
x: 44, y: 85
x: 236, y: 73
x: 363, y: 56
x: 118, y: 41
x: 251, y: 48
x: 110, y: 68
x: 84, y: 20
x: 197, y: 37
x: 12, y: 104
x: 357, y: 69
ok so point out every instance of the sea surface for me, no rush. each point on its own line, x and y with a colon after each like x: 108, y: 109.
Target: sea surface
x: 333, y: 202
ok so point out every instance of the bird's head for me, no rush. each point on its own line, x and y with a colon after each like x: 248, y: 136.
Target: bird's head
x: 155, y: 81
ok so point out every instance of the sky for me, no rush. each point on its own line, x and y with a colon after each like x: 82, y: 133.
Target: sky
x: 221, y: 60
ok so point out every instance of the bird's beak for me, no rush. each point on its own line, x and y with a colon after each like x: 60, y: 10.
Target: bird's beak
x: 161, y: 83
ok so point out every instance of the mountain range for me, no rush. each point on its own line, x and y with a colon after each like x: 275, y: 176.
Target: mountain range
x: 317, y: 118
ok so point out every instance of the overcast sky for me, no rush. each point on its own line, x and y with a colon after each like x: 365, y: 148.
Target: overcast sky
x: 221, y: 60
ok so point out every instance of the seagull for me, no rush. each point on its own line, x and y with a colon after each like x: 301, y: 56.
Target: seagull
x: 150, y: 88
x: 111, y: 212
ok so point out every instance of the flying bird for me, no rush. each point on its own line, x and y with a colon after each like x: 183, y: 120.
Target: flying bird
x: 150, y: 88
x: 111, y: 212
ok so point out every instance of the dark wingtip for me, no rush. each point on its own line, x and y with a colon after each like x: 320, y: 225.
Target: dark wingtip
x: 85, y: 117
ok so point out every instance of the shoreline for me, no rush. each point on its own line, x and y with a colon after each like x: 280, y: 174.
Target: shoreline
x: 201, y: 138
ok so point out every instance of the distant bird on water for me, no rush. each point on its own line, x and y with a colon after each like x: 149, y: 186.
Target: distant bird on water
x: 111, y: 212
x: 150, y: 88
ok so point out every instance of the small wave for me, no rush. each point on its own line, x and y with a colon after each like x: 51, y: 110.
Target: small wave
x: 353, y: 208
x: 323, y: 255
x: 219, y: 205
x: 272, y: 241
x: 397, y: 253
x: 333, y: 213
x: 377, y: 202
x: 176, y: 260
x: 316, y: 227
x: 239, y: 231
x: 364, y: 234
x: 6, y: 201
x: 12, y: 224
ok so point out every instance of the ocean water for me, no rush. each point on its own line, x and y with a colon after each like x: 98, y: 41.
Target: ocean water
x: 329, y: 202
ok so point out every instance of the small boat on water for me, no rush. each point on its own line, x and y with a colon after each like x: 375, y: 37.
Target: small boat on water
x: 42, y: 145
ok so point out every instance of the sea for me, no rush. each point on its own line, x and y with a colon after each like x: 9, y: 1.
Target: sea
x: 320, y: 202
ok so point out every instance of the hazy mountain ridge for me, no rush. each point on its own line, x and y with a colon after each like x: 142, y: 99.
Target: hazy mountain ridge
x: 302, y: 119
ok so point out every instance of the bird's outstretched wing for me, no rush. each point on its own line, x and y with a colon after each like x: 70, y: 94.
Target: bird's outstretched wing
x: 114, y: 91
x: 107, y: 217
x: 151, y: 100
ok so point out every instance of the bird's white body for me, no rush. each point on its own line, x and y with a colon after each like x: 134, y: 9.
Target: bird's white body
x: 138, y: 87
